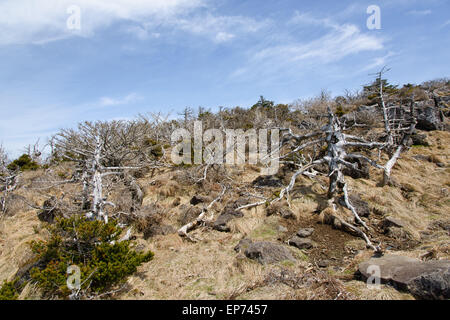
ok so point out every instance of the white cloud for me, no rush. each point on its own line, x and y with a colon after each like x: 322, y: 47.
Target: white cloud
x: 217, y: 28
x: 39, y: 21
x: 108, y: 101
x: 42, y: 21
x: 446, y: 23
x: 420, y: 12
x: 224, y: 37
x: 336, y: 43
x: 379, y: 62
x: 141, y: 33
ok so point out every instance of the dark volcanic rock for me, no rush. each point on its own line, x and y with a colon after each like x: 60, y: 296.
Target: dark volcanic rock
x: 189, y: 214
x: 361, y: 206
x: 49, y: 211
x: 268, y: 252
x: 242, y: 245
x: 287, y: 213
x: 419, y: 139
x: 157, y: 230
x: 301, y: 243
x: 424, y: 279
x: 200, y: 199
x: 389, y: 222
x: 267, y: 181
x: 429, y: 119
x: 323, y: 263
x: 362, y: 172
x: 305, y: 232
x: 227, y: 215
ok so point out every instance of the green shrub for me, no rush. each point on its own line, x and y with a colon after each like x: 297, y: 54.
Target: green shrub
x: 157, y: 151
x: 93, y: 246
x: 340, y: 111
x: 8, y: 291
x: 23, y: 163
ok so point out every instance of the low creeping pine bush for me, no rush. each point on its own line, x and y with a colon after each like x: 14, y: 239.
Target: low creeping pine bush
x: 8, y: 291
x: 94, y: 247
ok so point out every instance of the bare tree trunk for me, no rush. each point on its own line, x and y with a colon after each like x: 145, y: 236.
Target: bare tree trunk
x: 183, y: 231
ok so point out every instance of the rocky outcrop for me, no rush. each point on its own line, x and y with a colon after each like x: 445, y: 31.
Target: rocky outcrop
x: 361, y: 172
x: 301, y: 243
x: 265, y: 252
x: 429, y: 116
x: 267, y: 181
x: 221, y: 223
x: 423, y: 279
x: 188, y: 214
x: 158, y: 230
x: 419, y: 139
x: 395, y: 228
x: 200, y: 199
x: 361, y: 206
x: 49, y: 211
x: 305, y: 232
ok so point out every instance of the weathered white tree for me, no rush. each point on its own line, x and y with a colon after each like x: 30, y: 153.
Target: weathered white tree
x: 340, y: 154
x: 93, y: 174
x: 398, y: 125
x: 8, y: 180
x: 103, y: 149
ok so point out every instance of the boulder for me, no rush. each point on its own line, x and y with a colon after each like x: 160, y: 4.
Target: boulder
x: 361, y: 206
x: 200, y: 199
x: 421, y: 157
x: 424, y: 279
x: 287, y: 213
x: 362, y: 172
x: 226, y: 216
x: 419, y: 139
x: 49, y: 210
x: 267, y: 181
x: 243, y: 245
x: 389, y: 222
x: 323, y: 263
x: 158, y: 230
x: 301, y: 243
x: 428, y: 119
x: 188, y: 214
x: 305, y: 232
x: 268, y: 252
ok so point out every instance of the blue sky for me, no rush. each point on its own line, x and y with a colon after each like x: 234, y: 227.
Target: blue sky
x: 136, y: 56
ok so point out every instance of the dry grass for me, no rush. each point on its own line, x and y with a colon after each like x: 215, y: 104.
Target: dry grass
x: 211, y: 269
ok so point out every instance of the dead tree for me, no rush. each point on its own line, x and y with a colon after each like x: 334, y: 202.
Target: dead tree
x: 8, y: 184
x: 339, y: 154
x: 8, y: 181
x: 183, y: 231
x: 93, y: 175
x: 398, y: 125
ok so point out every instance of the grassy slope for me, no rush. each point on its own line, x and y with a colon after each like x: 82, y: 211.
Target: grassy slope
x: 211, y: 269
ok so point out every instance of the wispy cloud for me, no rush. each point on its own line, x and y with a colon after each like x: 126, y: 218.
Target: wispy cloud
x: 420, y: 12
x: 218, y: 28
x: 446, y: 23
x: 337, y: 42
x: 39, y: 21
x: 378, y: 62
x: 130, y: 98
x: 43, y: 21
